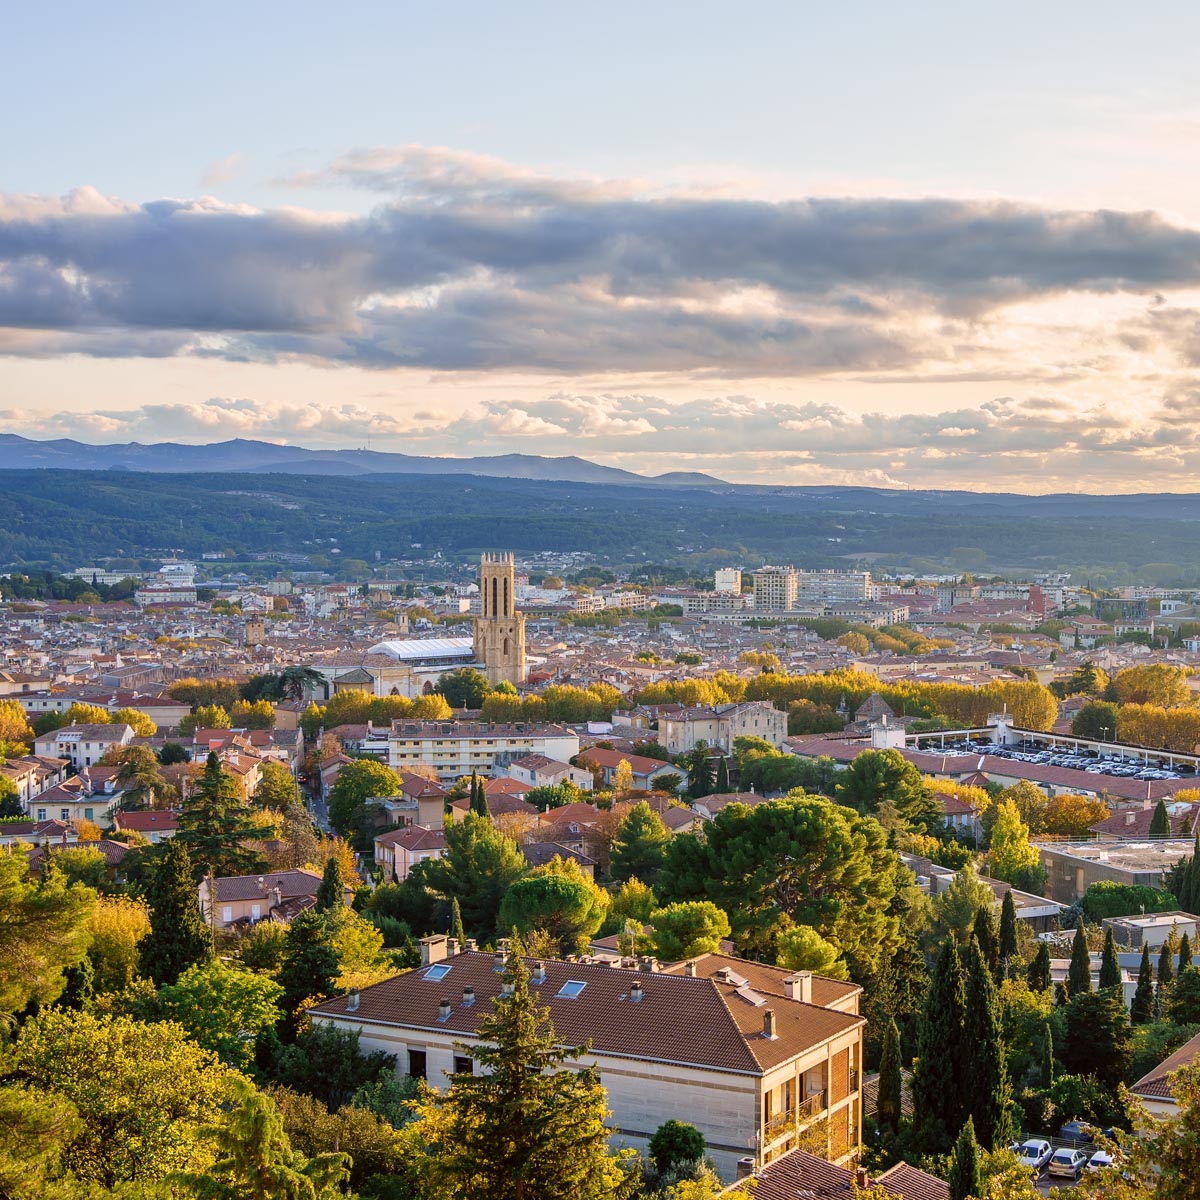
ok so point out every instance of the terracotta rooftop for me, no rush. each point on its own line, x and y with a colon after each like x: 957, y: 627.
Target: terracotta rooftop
x: 1155, y: 1084
x: 802, y: 1175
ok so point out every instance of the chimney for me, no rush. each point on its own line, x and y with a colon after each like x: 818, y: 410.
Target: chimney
x: 352, y: 1000
x: 648, y: 964
x: 468, y: 996
x: 276, y: 896
x: 472, y: 944
x: 862, y: 1180
x: 689, y: 969
x: 745, y: 1167
x: 799, y: 987
x: 769, y: 1024
x: 498, y: 961
x: 635, y: 991
x: 539, y: 972
x: 433, y: 948
x: 444, y: 1010
x: 451, y: 947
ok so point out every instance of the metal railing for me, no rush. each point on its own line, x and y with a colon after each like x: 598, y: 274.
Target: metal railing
x: 793, y: 1118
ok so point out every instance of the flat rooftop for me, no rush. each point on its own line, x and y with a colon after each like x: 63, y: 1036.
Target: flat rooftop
x: 1132, y: 856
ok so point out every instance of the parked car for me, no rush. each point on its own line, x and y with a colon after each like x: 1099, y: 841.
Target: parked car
x: 1075, y: 1131
x: 1100, y: 1160
x: 1068, y: 1163
x: 1035, y: 1154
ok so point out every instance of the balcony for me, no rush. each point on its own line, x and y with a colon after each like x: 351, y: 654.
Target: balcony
x: 795, y: 1118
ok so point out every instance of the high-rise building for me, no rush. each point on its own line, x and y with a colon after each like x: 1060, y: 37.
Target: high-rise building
x: 499, y: 641
x: 775, y: 588
x: 728, y: 579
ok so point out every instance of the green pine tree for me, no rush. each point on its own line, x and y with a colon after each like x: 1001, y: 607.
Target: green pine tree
x: 888, y: 1104
x: 1062, y: 994
x: 478, y: 796
x: 965, y: 1180
x: 984, y: 930
x: 456, y: 925
x: 1038, y: 973
x: 1079, y: 976
x: 1009, y: 947
x: 982, y: 1054
x: 330, y: 893
x: 1166, y: 971
x: 722, y: 784
x: 1110, y: 967
x: 215, y: 823
x: 1160, y: 823
x: 1185, y: 953
x: 1141, y: 1010
x: 525, y: 1123
x: 178, y: 936
x: 937, y: 1080
x: 640, y: 845
x: 310, y: 966
x: 1047, y: 1056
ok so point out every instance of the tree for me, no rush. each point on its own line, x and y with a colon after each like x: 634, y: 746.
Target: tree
x: 277, y: 788
x: 140, y: 1092
x: 215, y: 822
x: 456, y: 924
x: 622, y: 783
x: 310, y: 964
x: 329, y: 1064
x: 721, y: 787
x: 1185, y: 951
x: 634, y: 902
x: 1166, y: 972
x: 256, y: 1161
x: 687, y: 929
x: 675, y: 1144
x: 983, y: 930
x: 982, y: 1055
x: 1079, y: 974
x: 141, y: 724
x: 799, y: 860
x: 464, y: 688
x: 1038, y: 973
x: 207, y: 716
x: 178, y: 936
x: 1160, y: 823
x: 223, y: 1009
x: 358, y: 782
x: 802, y: 948
x: 1110, y: 966
x: 331, y: 891
x: 568, y: 910
x: 1069, y: 815
x: 938, y: 1086
x: 252, y: 714
x: 478, y: 867
x: 877, y: 777
x: 965, y: 1181
x: 1086, y: 680
x: 1012, y: 858
x: 172, y: 753
x: 1150, y: 683
x: 44, y: 929
x: 14, y: 725
x: 640, y: 845
x: 1185, y: 997
x: 10, y: 800
x: 1097, y: 720
x: 954, y: 909
x: 1141, y: 1008
x: 888, y: 1104
x: 1096, y: 1038
x: 523, y: 1126
x: 1008, y: 930
x: 478, y: 800
x: 118, y: 926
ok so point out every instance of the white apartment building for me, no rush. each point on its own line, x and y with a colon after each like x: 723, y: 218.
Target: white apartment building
x: 457, y: 748
x: 708, y: 602
x: 727, y: 579
x: 775, y: 588
x: 754, y: 1056
x: 831, y: 587
x: 82, y: 745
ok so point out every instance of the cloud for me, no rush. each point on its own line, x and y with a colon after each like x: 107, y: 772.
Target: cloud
x: 224, y: 170
x: 473, y: 264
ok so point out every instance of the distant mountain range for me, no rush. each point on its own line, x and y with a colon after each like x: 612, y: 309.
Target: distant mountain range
x: 241, y: 455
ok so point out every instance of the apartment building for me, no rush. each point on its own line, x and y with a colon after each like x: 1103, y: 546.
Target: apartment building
x: 775, y: 588
x: 719, y: 725
x: 727, y: 579
x: 456, y: 748
x: 830, y: 587
x: 756, y: 1057
x: 82, y: 745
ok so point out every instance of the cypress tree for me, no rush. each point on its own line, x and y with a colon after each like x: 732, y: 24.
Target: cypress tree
x: 888, y: 1104
x: 1185, y: 954
x: 478, y: 796
x: 1038, y: 973
x: 456, y: 926
x: 1047, y: 1056
x: 1079, y: 977
x: 1008, y: 930
x: 965, y: 1181
x: 178, y: 936
x: 1141, y: 1010
x: 722, y: 785
x: 1160, y: 823
x: 938, y: 1077
x: 1110, y: 967
x: 310, y: 966
x: 330, y: 891
x: 1166, y: 963
x: 984, y: 930
x: 1062, y: 994
x: 987, y: 1097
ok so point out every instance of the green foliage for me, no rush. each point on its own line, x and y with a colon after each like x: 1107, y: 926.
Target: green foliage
x: 1096, y: 720
x: 800, y: 860
x: 1110, y: 967
x: 878, y: 777
x: 1141, y: 1008
x: 675, y: 1143
x: 634, y: 902
x: 178, y: 936
x: 328, y: 1064
x: 1038, y: 974
x: 686, y: 929
x: 1160, y: 823
x: 965, y: 1180
x: 954, y: 909
x: 215, y: 823
x: 554, y: 795
x: 1185, y: 997
x: 464, y: 688
x: 332, y: 888
x: 356, y: 783
x: 43, y: 931
x: 1079, y: 974
x: 569, y: 911
x: 640, y: 845
x: 1110, y: 899
x: 802, y: 948
x: 310, y: 964
x: 1008, y: 929
x: 277, y: 789
x: 987, y: 1099
x: 1096, y: 1037
x: 889, y: 1095
x: 938, y: 1086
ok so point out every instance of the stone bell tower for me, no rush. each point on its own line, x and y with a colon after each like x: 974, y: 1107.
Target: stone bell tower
x: 499, y: 628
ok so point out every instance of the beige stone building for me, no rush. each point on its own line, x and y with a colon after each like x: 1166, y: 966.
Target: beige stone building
x: 720, y: 725
x: 499, y: 641
x: 761, y: 1060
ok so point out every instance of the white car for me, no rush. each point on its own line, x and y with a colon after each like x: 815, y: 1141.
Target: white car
x: 1100, y: 1160
x: 1068, y: 1163
x: 1035, y: 1154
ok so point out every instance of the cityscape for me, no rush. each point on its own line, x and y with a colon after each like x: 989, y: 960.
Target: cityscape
x: 599, y: 604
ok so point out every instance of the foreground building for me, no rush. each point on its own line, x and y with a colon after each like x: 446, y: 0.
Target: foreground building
x: 759, y: 1059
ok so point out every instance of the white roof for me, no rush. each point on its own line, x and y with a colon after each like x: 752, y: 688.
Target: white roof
x: 426, y: 648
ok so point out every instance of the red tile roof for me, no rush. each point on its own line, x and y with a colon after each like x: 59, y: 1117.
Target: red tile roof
x: 1155, y: 1084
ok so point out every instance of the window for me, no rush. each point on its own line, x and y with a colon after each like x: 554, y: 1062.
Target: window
x: 226, y: 913
x: 87, y: 814
x: 463, y: 1066
x: 571, y: 989
x: 255, y: 912
x: 437, y: 972
x: 65, y: 813
x: 41, y: 814
x: 416, y: 1064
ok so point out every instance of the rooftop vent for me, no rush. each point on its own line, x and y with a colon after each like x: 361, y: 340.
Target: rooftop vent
x: 498, y: 960
x: 689, y: 969
x: 539, y: 972
x: 468, y: 996
x: 635, y: 991
x: 444, y: 1010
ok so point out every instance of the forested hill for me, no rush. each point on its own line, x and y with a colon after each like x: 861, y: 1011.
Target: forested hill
x: 68, y: 518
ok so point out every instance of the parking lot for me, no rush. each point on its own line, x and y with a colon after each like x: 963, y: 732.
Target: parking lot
x: 1044, y: 1180
x: 1120, y: 766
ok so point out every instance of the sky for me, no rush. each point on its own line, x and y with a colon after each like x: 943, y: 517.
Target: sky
x: 935, y: 245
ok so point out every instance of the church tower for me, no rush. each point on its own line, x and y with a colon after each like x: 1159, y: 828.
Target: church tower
x: 499, y: 628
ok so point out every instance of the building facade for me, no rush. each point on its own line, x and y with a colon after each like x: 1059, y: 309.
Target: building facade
x: 456, y: 748
x: 499, y: 641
